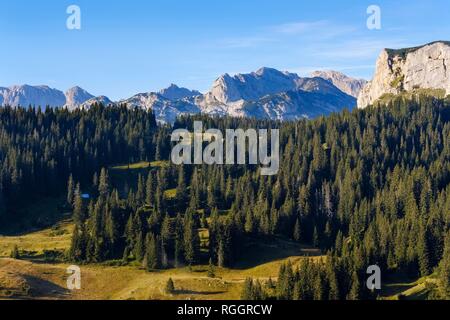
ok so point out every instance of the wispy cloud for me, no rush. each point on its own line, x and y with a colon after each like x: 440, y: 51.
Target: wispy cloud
x: 299, y: 27
x: 320, y: 30
x: 318, y: 45
x: 246, y: 42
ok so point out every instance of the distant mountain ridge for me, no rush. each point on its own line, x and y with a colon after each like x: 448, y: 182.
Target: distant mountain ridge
x: 43, y: 96
x: 269, y: 93
x: 174, y: 92
x: 265, y: 93
x: 294, y: 98
x: 346, y: 84
x: 32, y: 95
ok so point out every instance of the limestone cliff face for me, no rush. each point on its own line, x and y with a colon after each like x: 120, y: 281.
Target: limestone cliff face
x: 426, y: 67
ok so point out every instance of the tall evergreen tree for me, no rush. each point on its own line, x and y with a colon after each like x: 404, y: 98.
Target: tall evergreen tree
x: 152, y: 256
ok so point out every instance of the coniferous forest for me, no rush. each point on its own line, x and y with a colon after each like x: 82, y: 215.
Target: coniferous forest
x: 368, y: 187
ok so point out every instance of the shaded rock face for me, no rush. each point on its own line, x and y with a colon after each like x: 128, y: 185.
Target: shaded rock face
x: 350, y: 86
x: 425, y: 67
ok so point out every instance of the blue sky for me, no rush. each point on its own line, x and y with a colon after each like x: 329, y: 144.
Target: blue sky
x: 126, y: 47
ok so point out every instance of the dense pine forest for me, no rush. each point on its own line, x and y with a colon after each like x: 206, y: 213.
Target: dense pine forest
x: 368, y: 187
x: 40, y: 149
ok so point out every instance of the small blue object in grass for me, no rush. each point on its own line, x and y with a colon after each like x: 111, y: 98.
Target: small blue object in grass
x: 85, y: 196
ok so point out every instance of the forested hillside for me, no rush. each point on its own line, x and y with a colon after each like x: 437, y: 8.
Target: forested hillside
x: 367, y: 187
x: 39, y: 149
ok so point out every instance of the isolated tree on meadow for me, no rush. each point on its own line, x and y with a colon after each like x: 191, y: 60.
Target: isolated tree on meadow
x: 170, y: 287
x: 15, y: 253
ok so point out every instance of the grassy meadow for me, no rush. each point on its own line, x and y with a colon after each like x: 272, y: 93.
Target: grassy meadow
x: 31, y: 277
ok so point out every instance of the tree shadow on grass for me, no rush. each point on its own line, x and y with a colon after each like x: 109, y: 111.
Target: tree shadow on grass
x: 193, y: 292
x: 40, y: 288
x: 258, y: 252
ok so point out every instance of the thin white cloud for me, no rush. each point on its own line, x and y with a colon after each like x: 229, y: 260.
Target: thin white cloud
x: 245, y: 42
x: 320, y: 30
x: 299, y: 27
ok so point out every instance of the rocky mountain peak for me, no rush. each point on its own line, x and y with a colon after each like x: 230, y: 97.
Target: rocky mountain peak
x: 407, y: 70
x: 76, y: 96
x: 252, y: 86
x: 266, y: 93
x: 174, y: 92
x: 25, y: 95
x: 350, y: 86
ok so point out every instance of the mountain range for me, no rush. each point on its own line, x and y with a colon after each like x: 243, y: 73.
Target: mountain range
x: 269, y: 93
x: 264, y: 94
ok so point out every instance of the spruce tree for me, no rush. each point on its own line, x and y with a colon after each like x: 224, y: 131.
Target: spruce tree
x: 70, y: 191
x: 211, y: 272
x: 150, y: 190
x: 165, y: 241
x: 152, y: 254
x: 170, y: 287
x: 79, y: 215
x: 140, y: 193
x: 423, y: 253
x: 191, y: 241
x: 103, y: 185
x: 297, y: 231
x: 355, y: 291
x: 15, y: 253
x: 182, y: 194
x: 247, y: 292
x: 140, y: 247
x: 444, y: 267
x: 316, y: 239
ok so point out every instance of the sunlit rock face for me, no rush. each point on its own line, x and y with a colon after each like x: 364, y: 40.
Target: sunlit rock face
x: 397, y: 71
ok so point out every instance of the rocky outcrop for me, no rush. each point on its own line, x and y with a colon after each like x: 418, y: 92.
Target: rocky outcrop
x: 397, y: 71
x: 76, y: 96
x: 96, y: 100
x: 308, y: 98
x: 174, y: 93
x: 165, y: 110
x: 350, y: 86
x: 252, y: 86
